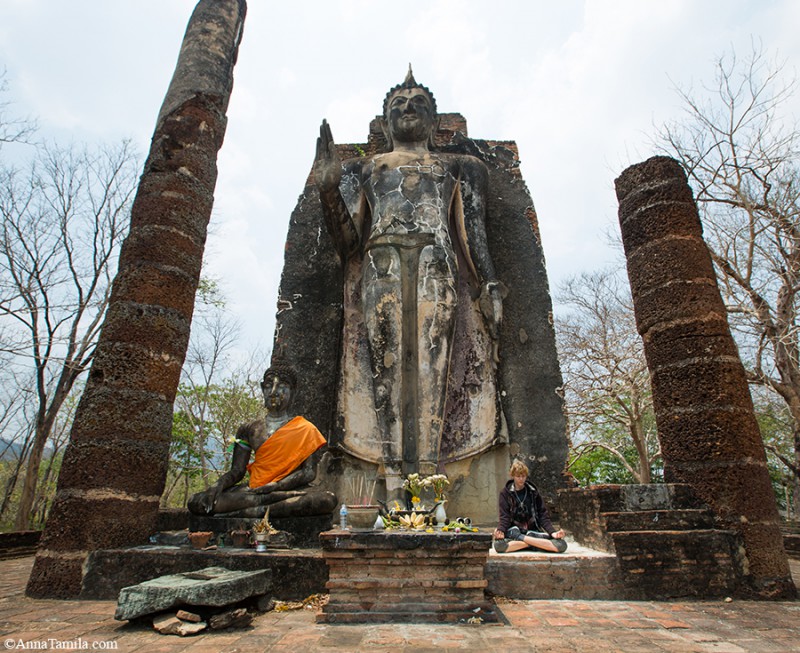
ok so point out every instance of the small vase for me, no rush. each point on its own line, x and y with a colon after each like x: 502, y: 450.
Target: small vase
x: 440, y: 514
x: 261, y: 538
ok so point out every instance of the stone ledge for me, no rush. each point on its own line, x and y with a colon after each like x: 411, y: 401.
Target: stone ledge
x: 18, y: 544
x: 402, y: 583
x: 536, y: 576
x: 296, y: 573
x: 304, y: 530
x: 403, y: 541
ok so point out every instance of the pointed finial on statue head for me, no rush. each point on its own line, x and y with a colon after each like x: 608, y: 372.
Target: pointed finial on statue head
x: 409, y: 80
x: 408, y: 83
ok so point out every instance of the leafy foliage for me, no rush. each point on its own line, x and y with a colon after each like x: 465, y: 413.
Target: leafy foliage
x: 606, y: 382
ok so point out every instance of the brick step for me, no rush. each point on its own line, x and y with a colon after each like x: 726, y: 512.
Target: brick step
x: 18, y: 544
x: 791, y: 542
x: 408, y: 572
x: 475, y: 607
x: 420, y: 614
x: 402, y: 583
x: 562, y: 576
x: 652, y: 520
x: 17, y: 552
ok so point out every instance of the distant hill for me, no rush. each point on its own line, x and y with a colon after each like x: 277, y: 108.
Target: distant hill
x: 12, y: 452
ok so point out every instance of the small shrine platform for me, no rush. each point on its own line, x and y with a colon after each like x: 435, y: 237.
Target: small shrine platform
x: 411, y: 577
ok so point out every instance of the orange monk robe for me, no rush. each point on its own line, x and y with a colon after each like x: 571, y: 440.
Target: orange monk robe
x: 284, y: 451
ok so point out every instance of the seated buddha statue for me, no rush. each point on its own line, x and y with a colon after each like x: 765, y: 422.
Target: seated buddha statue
x: 285, y: 451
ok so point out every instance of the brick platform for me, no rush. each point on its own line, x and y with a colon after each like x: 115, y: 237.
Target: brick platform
x: 578, y: 574
x: 667, y: 542
x: 396, y: 576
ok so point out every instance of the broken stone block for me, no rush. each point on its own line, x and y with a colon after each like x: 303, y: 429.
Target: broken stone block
x: 213, y: 586
x: 169, y: 624
x: 185, y: 615
x: 238, y: 618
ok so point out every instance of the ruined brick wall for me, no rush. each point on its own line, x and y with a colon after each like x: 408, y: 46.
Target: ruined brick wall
x: 706, y: 425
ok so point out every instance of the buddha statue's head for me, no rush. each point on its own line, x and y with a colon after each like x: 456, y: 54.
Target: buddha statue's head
x: 278, y: 387
x: 409, y: 113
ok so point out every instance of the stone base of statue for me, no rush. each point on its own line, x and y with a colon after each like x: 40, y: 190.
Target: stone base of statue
x: 406, y: 577
x: 304, y: 531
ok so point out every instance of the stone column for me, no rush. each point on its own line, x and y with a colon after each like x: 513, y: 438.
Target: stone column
x: 706, y: 425
x: 115, y: 466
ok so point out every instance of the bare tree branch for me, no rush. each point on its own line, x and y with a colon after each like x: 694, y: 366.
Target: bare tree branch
x: 62, y: 222
x: 740, y: 148
x: 12, y: 128
x: 606, y: 381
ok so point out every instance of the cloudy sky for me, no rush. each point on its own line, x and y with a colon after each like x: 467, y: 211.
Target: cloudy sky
x: 578, y: 84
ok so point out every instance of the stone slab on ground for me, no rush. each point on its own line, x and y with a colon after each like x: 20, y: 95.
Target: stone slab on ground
x: 213, y: 586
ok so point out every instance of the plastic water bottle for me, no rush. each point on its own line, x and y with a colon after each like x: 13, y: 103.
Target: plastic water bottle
x: 343, y: 517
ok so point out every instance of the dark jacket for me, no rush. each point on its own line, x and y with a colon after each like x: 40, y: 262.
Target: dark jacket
x: 524, y: 509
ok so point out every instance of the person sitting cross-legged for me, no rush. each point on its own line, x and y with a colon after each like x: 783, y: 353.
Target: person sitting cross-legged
x: 524, y: 521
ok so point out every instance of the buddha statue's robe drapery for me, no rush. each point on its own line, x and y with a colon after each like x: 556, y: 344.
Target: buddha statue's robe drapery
x: 471, y: 420
x: 284, y: 451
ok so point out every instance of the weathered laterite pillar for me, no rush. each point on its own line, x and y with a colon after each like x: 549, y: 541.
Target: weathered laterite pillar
x: 115, y: 467
x: 706, y: 425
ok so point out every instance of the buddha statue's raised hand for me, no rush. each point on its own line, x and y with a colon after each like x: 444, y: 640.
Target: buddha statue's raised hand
x: 328, y: 165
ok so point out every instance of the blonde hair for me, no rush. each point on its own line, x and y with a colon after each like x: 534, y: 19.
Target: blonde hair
x: 518, y: 468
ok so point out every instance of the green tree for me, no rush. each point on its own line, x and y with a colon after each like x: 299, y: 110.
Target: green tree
x: 606, y: 381
x: 776, y: 427
x: 216, y: 412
